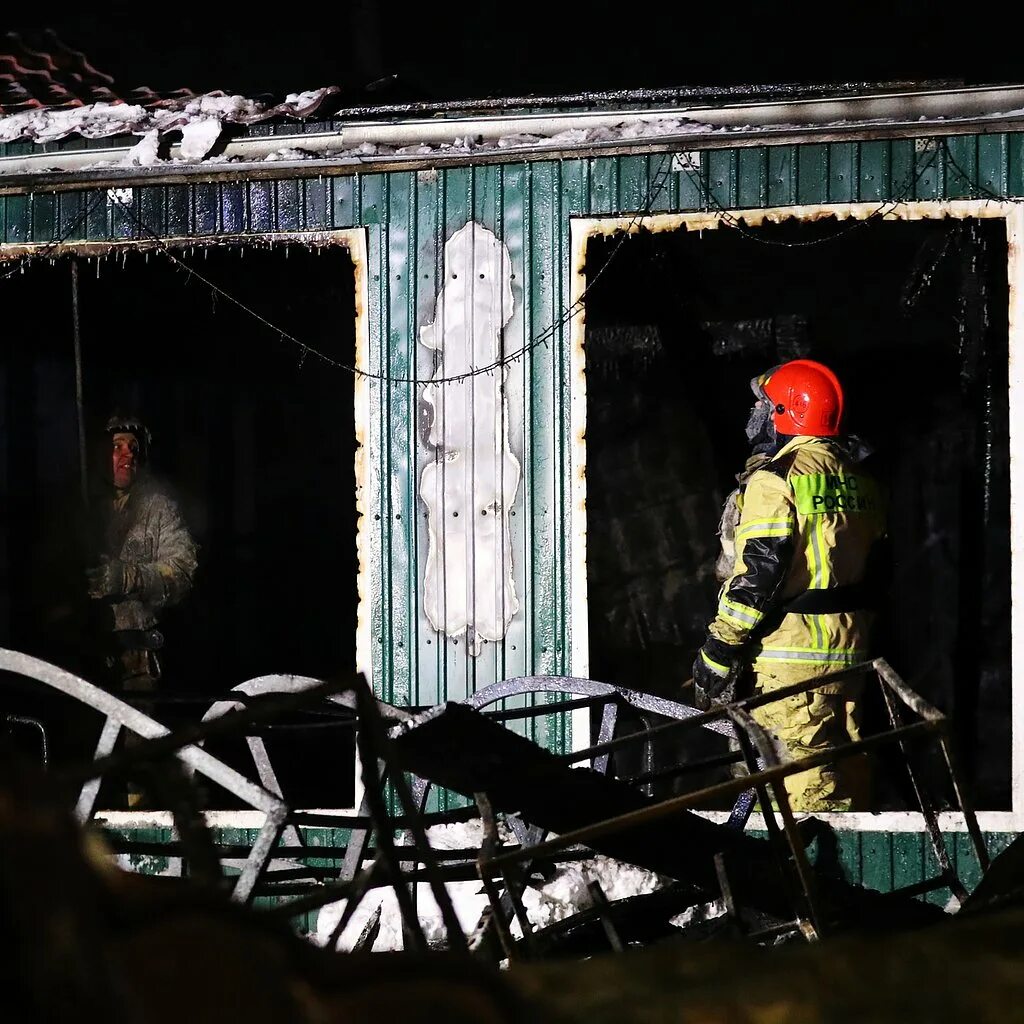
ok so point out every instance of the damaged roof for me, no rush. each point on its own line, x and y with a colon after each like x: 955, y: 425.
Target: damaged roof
x: 52, y: 98
x: 43, y: 77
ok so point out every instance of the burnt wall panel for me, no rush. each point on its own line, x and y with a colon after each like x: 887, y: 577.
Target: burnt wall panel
x: 152, y: 211
x: 288, y: 206
x: 875, y: 171
x: 44, y: 216
x: 345, y: 201
x: 260, y: 196
x: 782, y: 175
x: 961, y: 156
x: 232, y: 207
x: 604, y: 185
x: 179, y: 210
x: 752, y: 186
x: 691, y: 179
x: 400, y: 398
x: 903, y: 174
x: 993, y: 165
x: 316, y: 202
x: 633, y: 183
x: 722, y: 178
x: 929, y: 169
x: 843, y: 171
x: 812, y: 175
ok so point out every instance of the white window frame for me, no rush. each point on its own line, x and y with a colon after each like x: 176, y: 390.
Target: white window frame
x: 354, y: 240
x: 583, y: 229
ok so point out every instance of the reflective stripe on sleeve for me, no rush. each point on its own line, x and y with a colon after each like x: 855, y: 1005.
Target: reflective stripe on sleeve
x: 740, y: 614
x: 722, y: 670
x: 781, y: 526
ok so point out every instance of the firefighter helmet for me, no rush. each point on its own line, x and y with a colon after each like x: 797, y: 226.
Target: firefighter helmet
x: 118, y: 424
x: 806, y: 398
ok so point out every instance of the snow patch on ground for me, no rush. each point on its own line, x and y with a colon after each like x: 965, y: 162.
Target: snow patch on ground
x: 565, y: 894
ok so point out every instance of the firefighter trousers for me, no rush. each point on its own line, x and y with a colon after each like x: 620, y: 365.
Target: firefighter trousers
x: 809, y: 723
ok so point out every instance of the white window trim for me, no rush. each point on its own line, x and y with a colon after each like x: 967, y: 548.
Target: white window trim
x: 582, y: 229
x: 355, y: 241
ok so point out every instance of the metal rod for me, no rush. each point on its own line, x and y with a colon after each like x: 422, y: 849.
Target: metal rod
x: 83, y: 466
x: 603, y: 908
x: 358, y: 889
x: 669, y: 807
x: 792, y: 90
x: 715, y: 714
x: 924, y: 802
x: 970, y: 818
x: 750, y: 729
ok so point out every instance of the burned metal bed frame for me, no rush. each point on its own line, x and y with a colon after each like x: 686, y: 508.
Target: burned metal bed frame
x: 396, y: 756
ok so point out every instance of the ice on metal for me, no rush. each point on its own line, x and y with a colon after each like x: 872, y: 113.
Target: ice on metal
x: 469, y: 485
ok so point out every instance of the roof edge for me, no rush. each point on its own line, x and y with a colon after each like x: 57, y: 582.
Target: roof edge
x: 362, y: 145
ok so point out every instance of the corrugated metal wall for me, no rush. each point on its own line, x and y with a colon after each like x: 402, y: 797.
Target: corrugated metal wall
x: 408, y: 217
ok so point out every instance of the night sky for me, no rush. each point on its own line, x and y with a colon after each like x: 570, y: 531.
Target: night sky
x: 460, y: 50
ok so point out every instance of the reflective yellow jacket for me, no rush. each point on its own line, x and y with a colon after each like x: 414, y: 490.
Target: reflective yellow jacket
x: 809, y: 519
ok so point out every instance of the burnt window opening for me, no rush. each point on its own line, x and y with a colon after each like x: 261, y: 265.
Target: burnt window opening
x: 255, y: 440
x: 913, y: 318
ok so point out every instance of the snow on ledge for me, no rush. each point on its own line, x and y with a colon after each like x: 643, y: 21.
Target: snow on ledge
x: 101, y: 120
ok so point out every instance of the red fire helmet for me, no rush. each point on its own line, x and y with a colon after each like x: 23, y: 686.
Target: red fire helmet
x: 806, y: 398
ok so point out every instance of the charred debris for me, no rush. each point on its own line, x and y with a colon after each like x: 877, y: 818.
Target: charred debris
x: 725, y: 876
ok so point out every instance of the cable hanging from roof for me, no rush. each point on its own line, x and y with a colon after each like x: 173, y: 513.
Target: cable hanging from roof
x: 660, y: 180
x: 729, y: 217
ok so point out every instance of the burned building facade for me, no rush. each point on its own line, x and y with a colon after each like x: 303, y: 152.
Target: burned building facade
x: 512, y: 351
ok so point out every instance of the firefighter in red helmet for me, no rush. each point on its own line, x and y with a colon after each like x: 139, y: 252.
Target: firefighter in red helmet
x: 800, y: 537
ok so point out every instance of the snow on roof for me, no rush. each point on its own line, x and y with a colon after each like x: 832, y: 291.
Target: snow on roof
x: 104, y: 119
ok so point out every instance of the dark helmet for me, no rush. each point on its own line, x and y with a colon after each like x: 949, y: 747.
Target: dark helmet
x: 118, y: 424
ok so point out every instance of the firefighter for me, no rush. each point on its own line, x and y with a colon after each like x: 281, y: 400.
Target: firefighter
x: 146, y: 560
x: 803, y: 534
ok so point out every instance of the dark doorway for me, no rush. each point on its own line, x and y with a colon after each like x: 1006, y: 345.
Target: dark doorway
x: 913, y: 318
x: 254, y: 438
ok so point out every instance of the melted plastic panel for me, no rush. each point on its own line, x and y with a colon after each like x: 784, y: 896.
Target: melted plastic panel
x: 469, y: 585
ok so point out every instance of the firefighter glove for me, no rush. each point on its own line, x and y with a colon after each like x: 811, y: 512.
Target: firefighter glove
x: 113, y: 578
x: 715, y: 672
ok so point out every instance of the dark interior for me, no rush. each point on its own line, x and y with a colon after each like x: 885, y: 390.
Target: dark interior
x: 912, y: 316
x: 256, y: 442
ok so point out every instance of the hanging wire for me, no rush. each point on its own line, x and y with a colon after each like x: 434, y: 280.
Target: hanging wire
x: 977, y: 189
x: 661, y: 179
x: 728, y: 217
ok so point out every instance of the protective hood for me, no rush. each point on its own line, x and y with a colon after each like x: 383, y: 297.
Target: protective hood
x: 760, y: 428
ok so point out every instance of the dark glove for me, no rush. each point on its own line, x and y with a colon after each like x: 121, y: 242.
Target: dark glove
x: 715, y: 672
x: 109, y: 579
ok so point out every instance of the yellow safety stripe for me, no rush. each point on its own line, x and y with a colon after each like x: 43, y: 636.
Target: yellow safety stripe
x: 826, y: 565
x: 741, y: 614
x: 805, y: 654
x: 777, y: 527
x: 722, y: 670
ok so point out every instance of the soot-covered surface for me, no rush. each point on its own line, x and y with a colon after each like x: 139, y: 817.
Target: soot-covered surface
x: 256, y: 443
x: 913, y: 318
